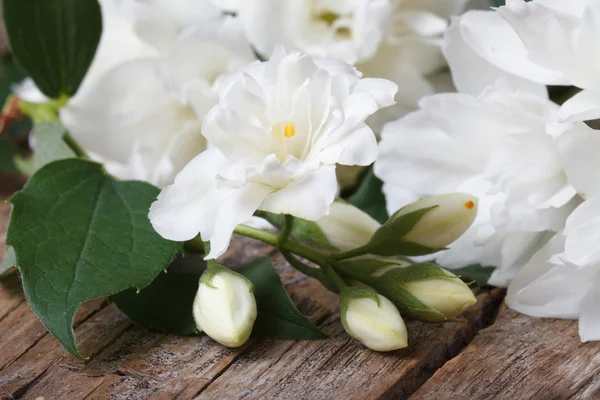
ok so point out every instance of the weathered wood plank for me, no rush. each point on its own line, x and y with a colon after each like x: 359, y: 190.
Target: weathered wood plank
x: 520, y: 357
x: 43, y: 353
x: 341, y: 368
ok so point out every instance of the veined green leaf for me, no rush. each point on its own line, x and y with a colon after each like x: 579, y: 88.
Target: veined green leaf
x: 79, y: 235
x: 54, y: 40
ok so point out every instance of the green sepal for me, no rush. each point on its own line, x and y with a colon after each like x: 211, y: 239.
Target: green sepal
x: 214, y: 269
x: 387, y: 240
x: 416, y: 272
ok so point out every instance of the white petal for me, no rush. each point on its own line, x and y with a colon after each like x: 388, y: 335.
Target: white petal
x: 584, y: 106
x: 589, y: 318
x: 237, y: 206
x: 583, y: 233
x: 308, y: 197
x: 502, y: 47
x: 382, y: 90
x: 472, y: 72
x: 187, y: 207
x: 579, y: 148
x: 543, y: 289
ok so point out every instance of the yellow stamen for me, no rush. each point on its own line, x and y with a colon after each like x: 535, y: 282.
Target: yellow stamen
x: 469, y: 204
x: 289, y: 131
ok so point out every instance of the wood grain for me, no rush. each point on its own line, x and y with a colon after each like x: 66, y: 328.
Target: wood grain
x: 520, y: 357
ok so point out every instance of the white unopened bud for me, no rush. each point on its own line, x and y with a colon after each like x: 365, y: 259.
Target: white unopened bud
x: 347, y: 227
x: 373, y: 320
x: 442, y: 291
x: 224, y: 307
x: 449, y: 296
x: 452, y: 216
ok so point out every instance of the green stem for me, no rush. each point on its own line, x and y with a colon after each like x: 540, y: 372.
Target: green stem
x: 330, y: 271
x: 77, y: 149
x: 293, y: 247
x: 316, y: 273
x: 284, y: 235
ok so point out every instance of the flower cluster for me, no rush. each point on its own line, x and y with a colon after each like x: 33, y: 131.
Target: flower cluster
x: 528, y: 159
x: 196, y: 117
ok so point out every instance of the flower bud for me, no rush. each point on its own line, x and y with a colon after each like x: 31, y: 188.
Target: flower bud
x: 449, y: 296
x: 347, y: 227
x: 452, y: 216
x: 224, y: 307
x: 440, y: 289
x: 372, y: 319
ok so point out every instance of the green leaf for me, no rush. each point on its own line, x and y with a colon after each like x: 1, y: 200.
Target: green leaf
x: 49, y: 144
x: 9, y: 74
x: 475, y: 273
x: 9, y: 260
x: 277, y: 314
x: 54, y: 40
x: 9, y: 151
x: 166, y: 304
x: 79, y: 235
x: 369, y: 197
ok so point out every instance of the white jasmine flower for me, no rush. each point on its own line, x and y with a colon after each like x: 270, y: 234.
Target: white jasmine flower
x: 496, y: 146
x: 399, y: 40
x: 563, y: 279
x: 278, y: 131
x: 143, y: 118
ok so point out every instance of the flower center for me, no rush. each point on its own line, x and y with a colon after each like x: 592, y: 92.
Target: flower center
x: 289, y: 131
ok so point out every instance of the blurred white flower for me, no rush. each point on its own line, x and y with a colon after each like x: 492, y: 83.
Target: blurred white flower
x: 545, y: 41
x: 399, y: 40
x: 143, y: 118
x: 349, y: 30
x: 410, y: 54
x: 498, y: 146
x: 278, y: 131
x: 563, y: 279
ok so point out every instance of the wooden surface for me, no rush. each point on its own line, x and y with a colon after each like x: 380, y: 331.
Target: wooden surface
x: 516, y: 357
